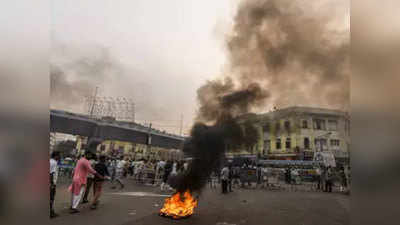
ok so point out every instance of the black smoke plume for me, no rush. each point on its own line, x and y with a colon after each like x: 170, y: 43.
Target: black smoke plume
x: 221, y: 97
x: 297, y: 50
x: 208, y: 143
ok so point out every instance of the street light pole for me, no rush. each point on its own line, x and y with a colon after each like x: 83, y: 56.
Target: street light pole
x: 149, y: 141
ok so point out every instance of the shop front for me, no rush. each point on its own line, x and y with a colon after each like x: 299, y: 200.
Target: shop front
x: 290, y: 156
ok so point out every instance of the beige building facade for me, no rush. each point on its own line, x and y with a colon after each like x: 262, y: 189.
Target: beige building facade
x: 298, y: 132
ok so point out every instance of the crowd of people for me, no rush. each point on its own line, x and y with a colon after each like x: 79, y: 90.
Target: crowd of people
x: 324, y: 177
x: 91, y: 171
x: 321, y: 178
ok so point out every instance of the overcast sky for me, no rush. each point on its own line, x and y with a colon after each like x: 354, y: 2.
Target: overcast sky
x: 165, y: 51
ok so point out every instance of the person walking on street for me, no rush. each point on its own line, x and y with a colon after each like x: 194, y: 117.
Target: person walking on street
x: 343, y: 183
x: 224, y: 179
x: 294, y: 176
x: 230, y: 178
x: 323, y: 178
x: 264, y: 177
x: 90, y: 181
x: 213, y: 180
x: 167, y: 172
x: 131, y: 166
x: 236, y: 177
x: 258, y: 175
x: 288, y: 175
x: 158, y: 172
x: 318, y: 178
x: 101, y: 169
x: 174, y: 171
x: 79, y: 180
x: 328, y: 179
x: 119, y: 173
x: 112, y: 167
x: 347, y: 176
x: 55, y: 157
x: 139, y: 167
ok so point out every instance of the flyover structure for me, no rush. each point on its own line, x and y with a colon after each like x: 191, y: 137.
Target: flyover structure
x: 83, y: 125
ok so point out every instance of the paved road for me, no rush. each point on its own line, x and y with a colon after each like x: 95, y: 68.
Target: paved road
x: 139, y: 205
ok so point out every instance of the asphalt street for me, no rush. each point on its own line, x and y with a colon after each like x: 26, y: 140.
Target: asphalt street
x: 139, y: 204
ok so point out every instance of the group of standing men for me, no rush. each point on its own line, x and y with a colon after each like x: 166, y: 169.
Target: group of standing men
x: 90, y: 172
x: 226, y: 179
x: 80, y: 182
x: 326, y: 176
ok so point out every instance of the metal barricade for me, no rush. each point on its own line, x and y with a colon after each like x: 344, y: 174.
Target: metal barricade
x: 248, y: 176
x: 148, y: 176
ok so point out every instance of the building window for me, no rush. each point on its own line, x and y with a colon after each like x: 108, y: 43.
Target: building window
x: 305, y: 124
x: 102, y: 148
x: 266, y: 128
x: 319, y: 124
x: 306, y: 143
x: 278, y: 143
x: 332, y: 125
x: 335, y: 142
x: 320, y: 144
x: 287, y: 125
x: 267, y: 145
x: 278, y: 126
x: 288, y: 143
x: 347, y: 126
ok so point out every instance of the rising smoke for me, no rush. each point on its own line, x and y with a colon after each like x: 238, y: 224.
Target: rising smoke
x: 208, y: 144
x: 75, y: 75
x: 281, y: 52
x: 220, y: 97
x: 76, y: 70
x: 223, y: 106
x: 298, y: 50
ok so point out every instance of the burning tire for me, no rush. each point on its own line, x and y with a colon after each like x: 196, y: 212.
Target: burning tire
x: 179, y: 206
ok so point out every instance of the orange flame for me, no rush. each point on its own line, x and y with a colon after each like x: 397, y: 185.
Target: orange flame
x: 179, y: 207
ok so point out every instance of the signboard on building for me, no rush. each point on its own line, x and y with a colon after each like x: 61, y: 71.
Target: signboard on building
x: 325, y: 157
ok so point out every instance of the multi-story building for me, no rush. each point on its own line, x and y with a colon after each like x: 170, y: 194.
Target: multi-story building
x: 298, y: 132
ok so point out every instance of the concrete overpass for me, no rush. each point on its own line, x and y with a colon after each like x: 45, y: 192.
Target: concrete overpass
x: 78, y: 124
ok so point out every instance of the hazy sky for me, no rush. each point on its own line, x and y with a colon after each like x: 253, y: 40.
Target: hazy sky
x: 164, y: 51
